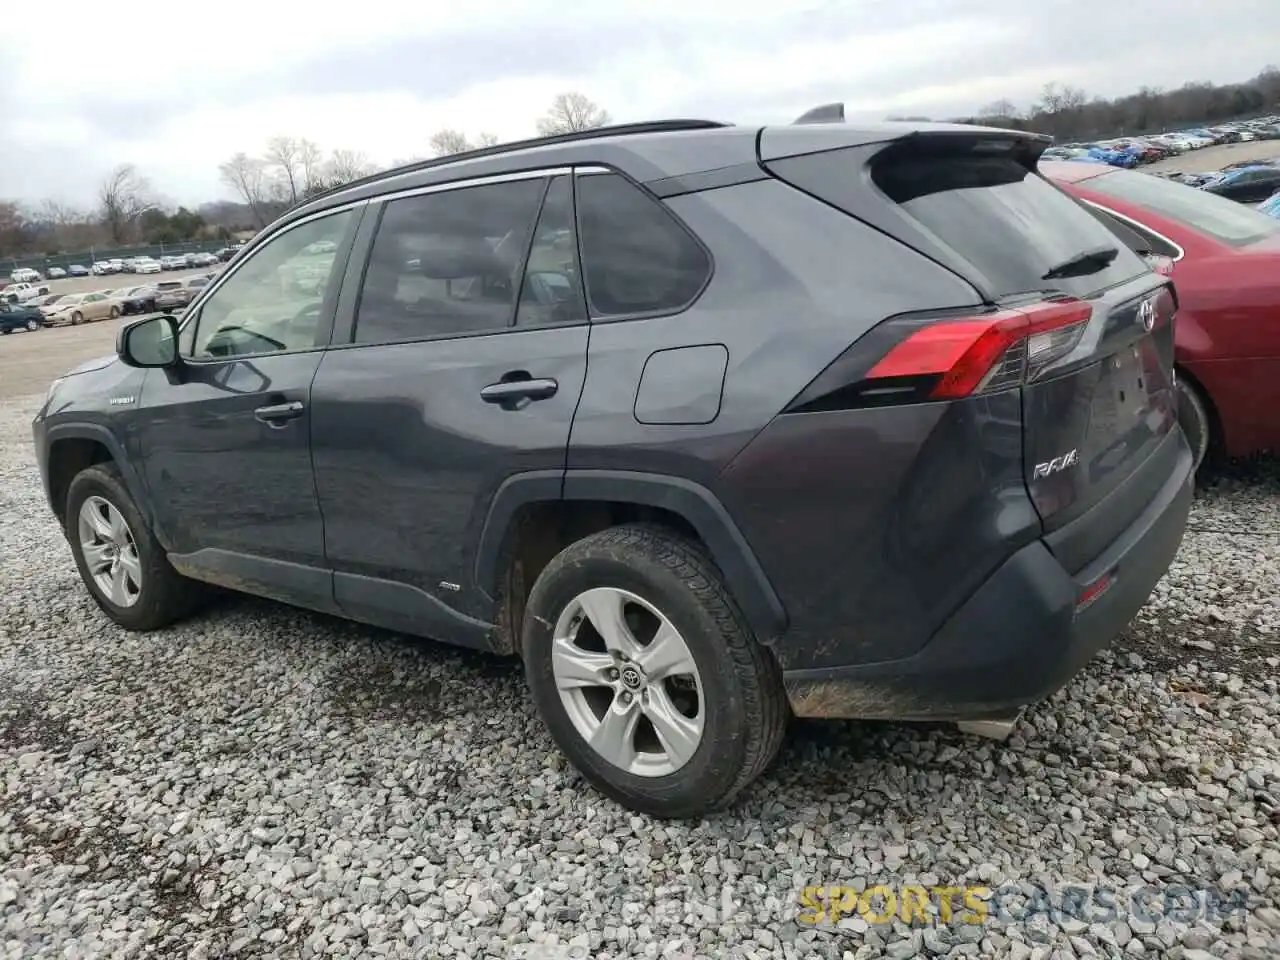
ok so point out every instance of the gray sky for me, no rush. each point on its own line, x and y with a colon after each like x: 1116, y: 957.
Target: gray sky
x: 177, y: 89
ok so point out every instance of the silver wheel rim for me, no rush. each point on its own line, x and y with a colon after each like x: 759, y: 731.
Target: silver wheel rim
x: 628, y: 682
x: 109, y: 551
x: 32, y: 325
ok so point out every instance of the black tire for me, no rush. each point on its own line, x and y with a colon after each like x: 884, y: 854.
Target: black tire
x: 77, y: 318
x: 164, y: 596
x: 115, y: 312
x: 1195, y: 420
x: 743, y: 696
x: 33, y: 326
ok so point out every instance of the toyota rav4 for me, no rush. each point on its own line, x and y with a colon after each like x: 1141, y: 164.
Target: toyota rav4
x: 710, y: 424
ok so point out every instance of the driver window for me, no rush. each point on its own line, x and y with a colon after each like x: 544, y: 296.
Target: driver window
x: 272, y: 303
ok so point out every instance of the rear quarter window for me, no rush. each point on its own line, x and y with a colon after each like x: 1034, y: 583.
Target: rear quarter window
x: 1222, y: 219
x: 1011, y: 224
x: 636, y: 257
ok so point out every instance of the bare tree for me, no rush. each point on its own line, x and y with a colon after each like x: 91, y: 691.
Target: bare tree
x: 1050, y: 99
x: 12, y: 227
x: 1002, y: 109
x: 284, y: 161
x: 311, y: 162
x: 1067, y: 113
x: 1073, y: 98
x: 447, y: 141
x: 247, y: 176
x: 68, y: 226
x: 347, y: 165
x: 1268, y: 84
x: 571, y: 112
x: 123, y: 197
x: 487, y: 140
x: 60, y: 214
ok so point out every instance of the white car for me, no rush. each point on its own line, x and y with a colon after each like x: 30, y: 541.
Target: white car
x: 56, y: 273
x: 100, y: 268
x: 146, y: 265
x: 25, y: 275
x: 22, y: 291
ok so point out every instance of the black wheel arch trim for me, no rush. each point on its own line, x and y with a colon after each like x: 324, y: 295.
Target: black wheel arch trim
x: 100, y: 434
x: 744, y: 576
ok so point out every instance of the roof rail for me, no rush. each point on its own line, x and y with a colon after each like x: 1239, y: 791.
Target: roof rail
x: 827, y: 113
x: 614, y: 130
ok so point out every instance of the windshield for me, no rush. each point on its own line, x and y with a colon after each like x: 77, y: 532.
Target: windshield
x: 1225, y: 220
x: 70, y: 299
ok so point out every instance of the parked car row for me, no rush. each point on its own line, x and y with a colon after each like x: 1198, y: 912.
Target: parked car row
x: 147, y: 264
x: 1129, y: 152
x: 143, y: 264
x: 167, y: 296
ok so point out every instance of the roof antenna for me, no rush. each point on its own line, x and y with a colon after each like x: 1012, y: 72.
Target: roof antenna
x: 827, y: 113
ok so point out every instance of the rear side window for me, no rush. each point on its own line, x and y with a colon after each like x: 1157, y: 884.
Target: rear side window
x: 1011, y: 224
x: 1224, y: 220
x: 1138, y: 237
x: 636, y: 257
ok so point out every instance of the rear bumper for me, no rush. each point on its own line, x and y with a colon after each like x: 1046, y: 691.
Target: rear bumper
x: 1019, y: 637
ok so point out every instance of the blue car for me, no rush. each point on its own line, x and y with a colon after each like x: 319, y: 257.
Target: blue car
x: 1116, y: 158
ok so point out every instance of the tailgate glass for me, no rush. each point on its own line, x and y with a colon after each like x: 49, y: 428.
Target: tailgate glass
x: 1011, y: 224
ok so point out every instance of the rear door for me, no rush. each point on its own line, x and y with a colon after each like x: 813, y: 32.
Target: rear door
x: 1097, y: 391
x: 464, y: 357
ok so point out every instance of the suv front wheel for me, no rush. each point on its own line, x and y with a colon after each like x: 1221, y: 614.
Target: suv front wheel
x: 647, y: 675
x: 119, y: 559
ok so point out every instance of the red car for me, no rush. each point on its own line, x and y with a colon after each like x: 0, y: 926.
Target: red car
x: 1226, y: 267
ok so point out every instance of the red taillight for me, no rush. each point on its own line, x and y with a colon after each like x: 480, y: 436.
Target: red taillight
x: 991, y: 352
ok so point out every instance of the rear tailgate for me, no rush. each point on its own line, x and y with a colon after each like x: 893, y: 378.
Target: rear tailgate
x: 1098, y: 423
x: 1096, y: 377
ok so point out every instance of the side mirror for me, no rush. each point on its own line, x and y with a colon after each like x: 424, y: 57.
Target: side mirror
x: 149, y: 343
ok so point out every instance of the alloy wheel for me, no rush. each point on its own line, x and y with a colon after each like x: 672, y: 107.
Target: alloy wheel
x: 110, y: 552
x: 628, y: 681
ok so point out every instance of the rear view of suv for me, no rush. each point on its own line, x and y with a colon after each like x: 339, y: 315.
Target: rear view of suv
x: 710, y: 424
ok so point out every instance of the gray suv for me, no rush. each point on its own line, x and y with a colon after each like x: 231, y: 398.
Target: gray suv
x: 712, y: 425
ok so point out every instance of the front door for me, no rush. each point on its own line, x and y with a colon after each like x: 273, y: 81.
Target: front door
x: 225, y: 437
x: 445, y: 390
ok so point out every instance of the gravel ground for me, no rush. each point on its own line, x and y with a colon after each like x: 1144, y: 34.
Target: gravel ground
x: 267, y: 782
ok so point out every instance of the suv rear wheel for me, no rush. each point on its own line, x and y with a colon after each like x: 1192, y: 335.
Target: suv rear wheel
x: 646, y: 674
x: 119, y: 559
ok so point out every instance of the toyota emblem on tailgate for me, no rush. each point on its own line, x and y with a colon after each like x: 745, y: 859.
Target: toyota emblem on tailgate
x: 1147, y: 315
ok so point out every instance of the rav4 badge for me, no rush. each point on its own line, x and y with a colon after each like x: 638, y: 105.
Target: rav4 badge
x: 1056, y: 465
